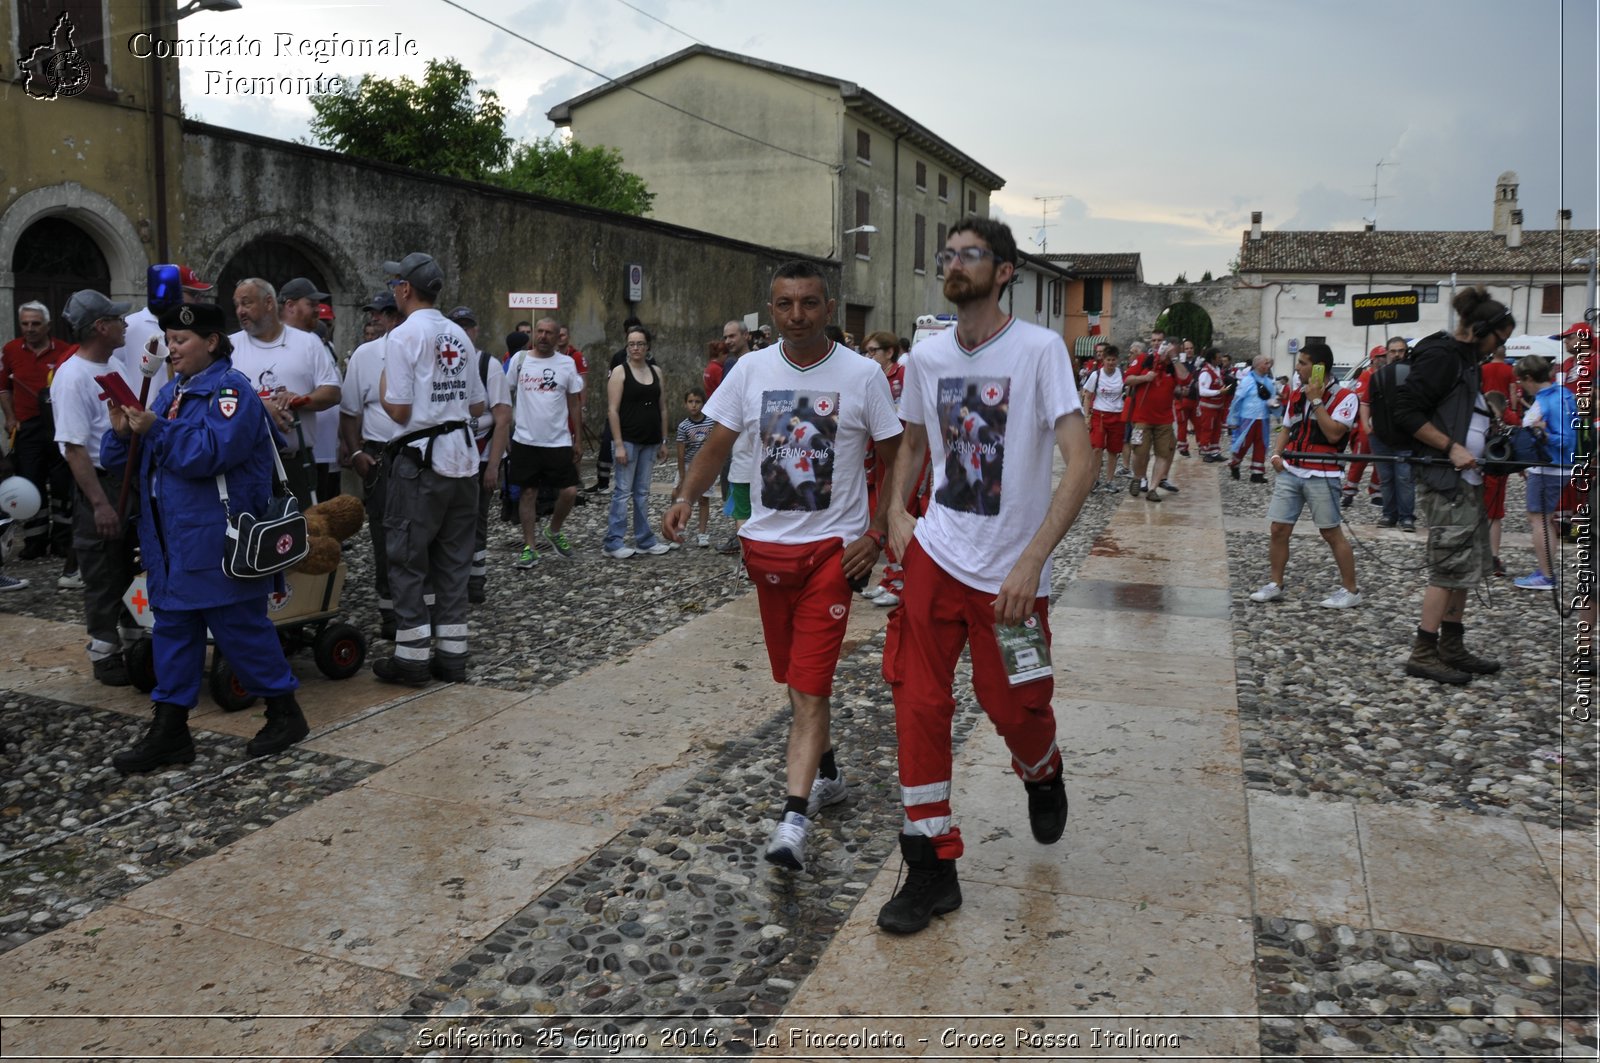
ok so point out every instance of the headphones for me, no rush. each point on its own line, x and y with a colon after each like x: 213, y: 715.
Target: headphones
x: 1483, y: 328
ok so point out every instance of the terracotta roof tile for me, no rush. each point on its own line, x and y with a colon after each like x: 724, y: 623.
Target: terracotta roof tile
x: 1542, y: 251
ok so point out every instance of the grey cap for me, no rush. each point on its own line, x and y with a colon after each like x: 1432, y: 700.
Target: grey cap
x: 419, y: 270
x: 300, y: 288
x: 463, y: 315
x: 382, y: 301
x: 86, y: 307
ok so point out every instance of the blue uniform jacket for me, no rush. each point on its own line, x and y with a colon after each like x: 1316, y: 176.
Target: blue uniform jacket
x: 1248, y: 405
x: 218, y: 426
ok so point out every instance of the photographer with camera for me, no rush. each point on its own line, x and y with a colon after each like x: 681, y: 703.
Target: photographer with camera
x: 1153, y: 381
x: 1441, y: 406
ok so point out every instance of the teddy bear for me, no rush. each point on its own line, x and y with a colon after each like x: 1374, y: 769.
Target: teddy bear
x: 328, y: 524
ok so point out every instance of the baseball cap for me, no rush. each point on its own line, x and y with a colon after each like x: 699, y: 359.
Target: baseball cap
x: 300, y: 288
x: 1579, y: 328
x: 191, y: 280
x: 463, y: 315
x: 382, y: 301
x: 86, y: 307
x: 516, y: 341
x: 324, y: 312
x: 419, y: 270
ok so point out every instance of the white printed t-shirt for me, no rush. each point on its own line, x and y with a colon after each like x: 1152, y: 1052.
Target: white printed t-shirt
x: 142, y: 328
x: 359, y: 398
x: 81, y: 414
x: 432, y: 367
x: 541, y: 391
x: 810, y: 428
x: 1107, y: 390
x: 296, y: 362
x: 990, y: 414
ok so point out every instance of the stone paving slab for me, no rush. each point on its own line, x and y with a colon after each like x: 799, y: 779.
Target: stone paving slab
x: 384, y: 880
x: 385, y: 736
x: 1186, y: 746
x: 89, y: 969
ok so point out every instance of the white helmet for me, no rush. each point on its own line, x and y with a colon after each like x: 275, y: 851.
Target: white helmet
x: 19, y: 499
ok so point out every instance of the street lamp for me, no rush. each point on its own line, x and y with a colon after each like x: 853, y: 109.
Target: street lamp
x: 196, y: 6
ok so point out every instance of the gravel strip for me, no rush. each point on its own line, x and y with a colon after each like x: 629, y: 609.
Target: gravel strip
x: 1372, y: 993
x: 98, y: 834
x: 1325, y: 706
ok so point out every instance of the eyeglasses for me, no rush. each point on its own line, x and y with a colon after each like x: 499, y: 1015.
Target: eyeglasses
x: 969, y: 256
x: 871, y: 349
x: 396, y: 282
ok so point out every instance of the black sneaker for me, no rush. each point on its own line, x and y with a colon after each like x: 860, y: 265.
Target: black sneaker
x: 112, y: 671
x: 1168, y: 485
x: 1233, y: 471
x: 1258, y: 477
x: 1047, y: 809
x: 406, y: 673
x: 930, y: 889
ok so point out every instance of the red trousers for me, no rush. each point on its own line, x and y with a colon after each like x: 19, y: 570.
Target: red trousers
x: 938, y: 615
x: 1186, y: 411
x: 1253, y: 440
x: 1208, y: 426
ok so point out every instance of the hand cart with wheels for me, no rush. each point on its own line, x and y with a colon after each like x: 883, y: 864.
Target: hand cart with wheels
x: 305, y: 614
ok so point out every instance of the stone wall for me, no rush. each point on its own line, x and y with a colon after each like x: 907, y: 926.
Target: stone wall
x: 349, y: 216
x: 1235, y: 312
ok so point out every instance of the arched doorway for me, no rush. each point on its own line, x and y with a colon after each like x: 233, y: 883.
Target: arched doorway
x: 272, y: 258
x: 54, y: 258
x: 1187, y: 320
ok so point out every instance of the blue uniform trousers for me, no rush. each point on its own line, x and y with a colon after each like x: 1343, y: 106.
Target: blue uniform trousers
x: 242, y: 634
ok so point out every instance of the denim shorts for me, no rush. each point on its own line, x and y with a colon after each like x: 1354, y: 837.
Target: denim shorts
x: 1544, y: 491
x: 1291, y: 494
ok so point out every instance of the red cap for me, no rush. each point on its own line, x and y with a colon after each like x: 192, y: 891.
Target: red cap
x: 1379, y: 349
x: 191, y: 280
x: 1578, y: 329
x: 324, y: 312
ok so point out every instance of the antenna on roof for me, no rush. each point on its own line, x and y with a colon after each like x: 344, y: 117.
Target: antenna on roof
x: 1044, y: 220
x: 1377, y: 172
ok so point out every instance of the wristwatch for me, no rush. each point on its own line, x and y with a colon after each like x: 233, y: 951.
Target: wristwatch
x: 676, y: 501
x: 876, y: 536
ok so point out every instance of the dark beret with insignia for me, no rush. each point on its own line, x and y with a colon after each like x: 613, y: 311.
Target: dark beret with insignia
x: 203, y: 319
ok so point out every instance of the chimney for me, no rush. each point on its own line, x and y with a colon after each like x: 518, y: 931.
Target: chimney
x: 1255, y: 225
x: 1372, y: 226
x: 1514, y: 231
x: 1564, y: 220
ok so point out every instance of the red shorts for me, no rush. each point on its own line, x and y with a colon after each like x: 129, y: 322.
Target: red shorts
x: 1494, y: 497
x: 1105, y: 431
x: 805, y: 606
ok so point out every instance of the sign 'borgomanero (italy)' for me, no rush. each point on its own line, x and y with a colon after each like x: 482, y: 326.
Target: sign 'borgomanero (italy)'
x: 1384, y: 308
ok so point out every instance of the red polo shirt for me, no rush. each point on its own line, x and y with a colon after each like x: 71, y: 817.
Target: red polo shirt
x: 25, y: 374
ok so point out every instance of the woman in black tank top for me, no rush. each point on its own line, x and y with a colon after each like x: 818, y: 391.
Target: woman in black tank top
x: 638, y: 418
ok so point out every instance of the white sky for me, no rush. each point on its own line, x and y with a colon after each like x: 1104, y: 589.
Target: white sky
x: 1163, y: 122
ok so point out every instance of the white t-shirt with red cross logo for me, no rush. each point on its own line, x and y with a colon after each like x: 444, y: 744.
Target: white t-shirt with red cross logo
x: 990, y: 414
x: 809, y: 427
x: 432, y: 367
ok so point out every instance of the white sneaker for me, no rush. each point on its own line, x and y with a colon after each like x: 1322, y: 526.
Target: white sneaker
x: 872, y: 592
x: 824, y: 792
x: 788, y: 845
x: 887, y: 600
x: 1270, y: 593
x: 70, y: 581
x: 620, y: 553
x: 702, y: 540
x: 1341, y: 599
x: 657, y: 550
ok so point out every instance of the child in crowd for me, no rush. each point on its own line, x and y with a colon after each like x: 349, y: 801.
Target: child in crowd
x: 1552, y: 408
x: 692, y: 433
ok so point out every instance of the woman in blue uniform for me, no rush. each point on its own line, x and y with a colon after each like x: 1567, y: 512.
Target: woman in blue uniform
x: 206, y: 422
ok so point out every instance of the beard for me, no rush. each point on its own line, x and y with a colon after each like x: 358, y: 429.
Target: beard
x: 961, y: 288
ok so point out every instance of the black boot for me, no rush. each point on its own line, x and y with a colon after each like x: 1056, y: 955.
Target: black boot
x: 286, y: 725
x: 167, y: 742
x: 404, y: 672
x: 448, y: 667
x: 1047, y: 808
x: 1453, y: 652
x: 930, y: 888
x: 1425, y: 662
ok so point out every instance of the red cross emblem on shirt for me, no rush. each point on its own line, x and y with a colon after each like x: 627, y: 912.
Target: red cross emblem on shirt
x: 991, y: 394
x: 139, y: 601
x: 824, y: 406
x: 448, y: 355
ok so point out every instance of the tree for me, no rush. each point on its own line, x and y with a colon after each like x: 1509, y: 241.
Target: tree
x: 1206, y: 278
x: 570, y: 171
x: 1186, y: 319
x: 436, y: 125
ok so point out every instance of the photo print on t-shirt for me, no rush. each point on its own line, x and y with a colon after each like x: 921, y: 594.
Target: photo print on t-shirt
x: 797, y: 433
x: 972, y: 416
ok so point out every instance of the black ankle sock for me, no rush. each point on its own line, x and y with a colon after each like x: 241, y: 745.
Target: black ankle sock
x: 1427, y: 636
x: 828, y: 769
x: 796, y: 804
x: 1448, y: 627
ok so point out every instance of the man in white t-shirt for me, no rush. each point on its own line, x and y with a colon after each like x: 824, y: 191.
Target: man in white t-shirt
x: 977, y: 565
x: 1316, y: 422
x: 291, y: 371
x: 99, y: 533
x: 546, y: 443
x: 812, y: 406
x: 365, y: 430
x: 300, y: 306
x: 1103, y: 389
x: 432, y: 392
